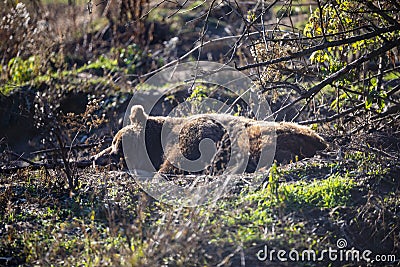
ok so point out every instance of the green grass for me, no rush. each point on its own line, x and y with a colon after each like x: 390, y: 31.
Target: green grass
x: 252, y: 211
x: 328, y: 193
x: 102, y: 63
x: 30, y: 72
x: 110, y: 221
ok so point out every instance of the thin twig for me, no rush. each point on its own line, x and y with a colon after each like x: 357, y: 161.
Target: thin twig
x: 334, y: 117
x: 78, y: 146
x: 19, y: 157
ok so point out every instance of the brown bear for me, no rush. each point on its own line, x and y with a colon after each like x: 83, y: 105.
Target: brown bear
x: 209, y: 143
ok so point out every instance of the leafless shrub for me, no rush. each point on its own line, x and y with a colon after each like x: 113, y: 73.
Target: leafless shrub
x: 126, y: 20
x: 64, y: 131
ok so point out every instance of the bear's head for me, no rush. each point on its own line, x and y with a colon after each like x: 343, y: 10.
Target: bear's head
x: 138, y: 116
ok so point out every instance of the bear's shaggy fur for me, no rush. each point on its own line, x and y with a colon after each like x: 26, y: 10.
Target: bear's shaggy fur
x: 145, y: 134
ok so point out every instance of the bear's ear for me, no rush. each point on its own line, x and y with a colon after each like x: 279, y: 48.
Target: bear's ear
x: 137, y: 115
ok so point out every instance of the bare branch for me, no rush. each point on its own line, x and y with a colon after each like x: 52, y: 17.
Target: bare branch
x: 310, y: 50
x: 315, y: 89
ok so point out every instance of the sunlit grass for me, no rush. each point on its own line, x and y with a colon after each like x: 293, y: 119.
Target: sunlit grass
x: 112, y: 222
